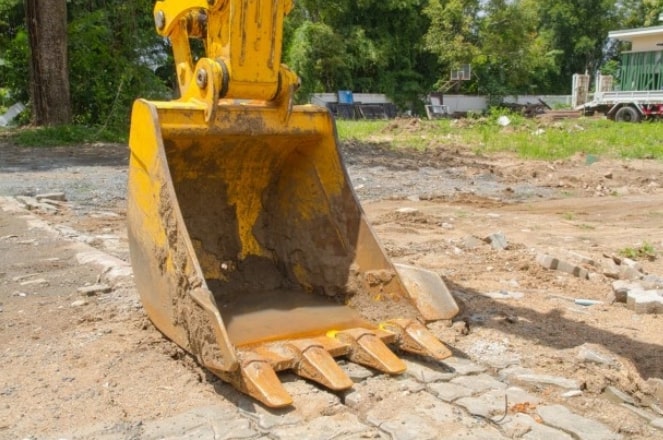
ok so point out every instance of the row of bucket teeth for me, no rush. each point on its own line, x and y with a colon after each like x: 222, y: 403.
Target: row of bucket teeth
x: 313, y: 358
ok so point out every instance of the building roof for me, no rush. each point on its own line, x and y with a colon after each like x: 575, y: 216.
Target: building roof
x: 631, y: 34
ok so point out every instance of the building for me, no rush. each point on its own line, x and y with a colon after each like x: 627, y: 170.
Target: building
x: 642, y: 66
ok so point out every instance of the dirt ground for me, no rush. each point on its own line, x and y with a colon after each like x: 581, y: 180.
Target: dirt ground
x: 430, y: 208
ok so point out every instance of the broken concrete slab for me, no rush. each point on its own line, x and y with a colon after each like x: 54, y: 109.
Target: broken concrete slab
x: 94, y: 289
x: 553, y: 263
x: 560, y: 417
x: 645, y: 301
x: 57, y: 196
x: 497, y: 240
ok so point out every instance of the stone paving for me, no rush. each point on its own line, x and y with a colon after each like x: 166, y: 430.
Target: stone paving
x: 455, y: 399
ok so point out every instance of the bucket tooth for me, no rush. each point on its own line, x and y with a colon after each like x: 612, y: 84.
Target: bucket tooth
x: 316, y: 364
x: 367, y: 348
x: 414, y: 337
x: 257, y: 378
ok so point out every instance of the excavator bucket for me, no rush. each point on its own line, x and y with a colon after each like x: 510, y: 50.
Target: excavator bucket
x: 249, y: 247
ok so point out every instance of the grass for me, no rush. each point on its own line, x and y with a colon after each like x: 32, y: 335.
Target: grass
x: 528, y: 138
x: 61, y: 135
x: 644, y: 251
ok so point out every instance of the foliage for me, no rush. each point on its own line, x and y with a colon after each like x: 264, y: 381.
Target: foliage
x: 403, y: 48
x: 528, y: 138
x: 109, y: 43
x: 318, y: 55
x: 63, y: 135
x: 366, y: 46
x: 645, y: 251
x: 103, y: 46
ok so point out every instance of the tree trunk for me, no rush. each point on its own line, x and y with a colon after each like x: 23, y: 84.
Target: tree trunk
x: 49, y: 78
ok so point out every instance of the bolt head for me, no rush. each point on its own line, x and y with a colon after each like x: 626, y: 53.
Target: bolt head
x: 201, y: 78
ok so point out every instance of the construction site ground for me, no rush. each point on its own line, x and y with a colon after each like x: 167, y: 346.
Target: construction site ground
x: 538, y: 353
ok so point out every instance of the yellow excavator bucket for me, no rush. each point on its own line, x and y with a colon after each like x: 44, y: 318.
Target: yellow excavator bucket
x: 249, y: 247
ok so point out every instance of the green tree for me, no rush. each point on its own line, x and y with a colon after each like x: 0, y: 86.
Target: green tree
x: 113, y: 52
x: 578, y: 29
x: 453, y: 32
x: 364, y: 46
x: 513, y: 58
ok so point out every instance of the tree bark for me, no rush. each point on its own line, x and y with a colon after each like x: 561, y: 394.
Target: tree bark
x: 49, y: 78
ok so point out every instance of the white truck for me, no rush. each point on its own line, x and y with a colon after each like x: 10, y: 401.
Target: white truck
x: 640, y: 80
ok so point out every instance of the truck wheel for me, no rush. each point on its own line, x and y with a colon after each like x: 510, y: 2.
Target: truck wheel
x: 627, y: 114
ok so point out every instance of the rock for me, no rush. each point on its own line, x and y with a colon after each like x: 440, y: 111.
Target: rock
x: 656, y: 387
x: 426, y: 373
x: 631, y: 264
x: 544, y: 379
x: 587, y: 354
x: 407, y: 210
x: 322, y: 428
x: 645, y: 301
x: 621, y: 288
x: 657, y: 423
x: 618, y: 396
x: 650, y: 282
x: 449, y: 391
x: 497, y: 241
x: 524, y: 427
x: 353, y: 398
x: 460, y: 327
x: 94, y: 289
x: 33, y: 204
x: 628, y: 273
x: 463, y: 366
x: 553, y: 263
x: 471, y: 242
x: 79, y: 303
x: 646, y: 415
x: 491, y: 403
x: 572, y: 393
x: 479, y: 383
x: 505, y: 294
x: 57, y: 196
x: 39, y: 281
x: 582, y: 428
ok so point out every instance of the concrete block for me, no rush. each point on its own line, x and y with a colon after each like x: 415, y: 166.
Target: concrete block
x: 544, y: 379
x: 525, y: 427
x: 645, y: 301
x: 491, y: 404
x: 206, y: 422
x: 479, y: 383
x: 57, y: 196
x: 498, y: 241
x: 621, y: 289
x: 94, y: 289
x: 463, y: 366
x: 449, y: 392
x: 322, y: 428
x: 582, y: 428
x: 427, y: 373
x: 553, y: 263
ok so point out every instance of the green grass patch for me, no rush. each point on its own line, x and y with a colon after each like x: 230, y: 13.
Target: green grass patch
x: 644, y: 251
x: 61, y: 135
x: 528, y: 138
